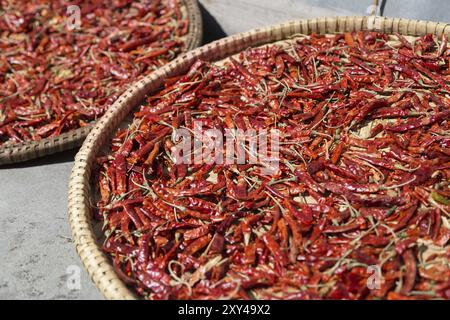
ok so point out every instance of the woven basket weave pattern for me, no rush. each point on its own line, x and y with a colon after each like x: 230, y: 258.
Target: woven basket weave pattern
x: 24, y: 151
x: 96, y: 262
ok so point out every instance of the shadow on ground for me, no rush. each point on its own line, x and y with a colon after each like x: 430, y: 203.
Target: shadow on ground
x: 211, y: 28
x: 60, y: 157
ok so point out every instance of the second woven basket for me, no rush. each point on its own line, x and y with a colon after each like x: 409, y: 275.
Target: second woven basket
x: 23, y: 151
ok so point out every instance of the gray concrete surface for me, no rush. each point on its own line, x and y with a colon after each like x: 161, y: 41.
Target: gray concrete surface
x: 239, y: 15
x: 38, y: 260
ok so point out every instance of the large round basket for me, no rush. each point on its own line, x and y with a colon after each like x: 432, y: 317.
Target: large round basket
x: 19, y: 152
x: 81, y: 196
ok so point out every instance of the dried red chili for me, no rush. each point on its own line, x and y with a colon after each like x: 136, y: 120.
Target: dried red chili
x: 363, y: 178
x: 54, y: 79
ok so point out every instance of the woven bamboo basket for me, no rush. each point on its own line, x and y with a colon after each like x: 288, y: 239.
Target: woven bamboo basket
x: 80, y: 192
x: 19, y: 152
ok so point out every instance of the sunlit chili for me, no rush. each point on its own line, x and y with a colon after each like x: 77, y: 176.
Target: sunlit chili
x: 363, y: 181
x: 59, y: 74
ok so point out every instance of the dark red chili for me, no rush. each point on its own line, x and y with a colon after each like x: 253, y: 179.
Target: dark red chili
x: 54, y: 78
x: 361, y: 184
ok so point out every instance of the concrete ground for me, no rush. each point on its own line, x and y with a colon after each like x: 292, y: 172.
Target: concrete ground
x: 38, y: 260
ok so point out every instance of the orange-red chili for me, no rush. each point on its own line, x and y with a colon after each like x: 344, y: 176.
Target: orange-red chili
x: 54, y: 78
x: 363, y: 181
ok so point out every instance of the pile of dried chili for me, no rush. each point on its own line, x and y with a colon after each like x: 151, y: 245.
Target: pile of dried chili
x: 59, y: 74
x: 362, y: 183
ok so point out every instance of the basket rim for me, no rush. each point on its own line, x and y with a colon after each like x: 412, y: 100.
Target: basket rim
x: 97, y: 263
x: 23, y: 151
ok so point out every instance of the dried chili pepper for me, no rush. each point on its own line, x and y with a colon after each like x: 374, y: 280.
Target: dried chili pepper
x: 362, y: 179
x: 55, y: 78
